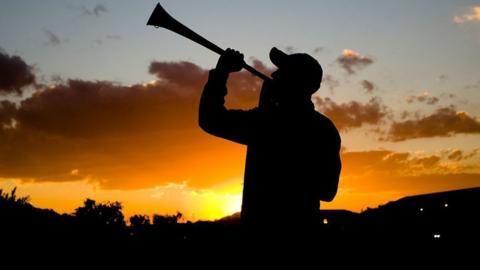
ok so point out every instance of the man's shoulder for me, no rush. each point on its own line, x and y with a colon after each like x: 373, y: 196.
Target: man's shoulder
x: 327, y: 126
x: 325, y: 121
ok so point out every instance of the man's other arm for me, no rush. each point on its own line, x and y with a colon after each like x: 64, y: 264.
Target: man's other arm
x: 333, y: 167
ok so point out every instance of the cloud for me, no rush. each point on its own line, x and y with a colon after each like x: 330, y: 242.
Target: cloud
x: 330, y: 82
x: 289, y: 49
x: 99, y: 41
x: 472, y: 16
x: 383, y: 170
x: 7, y: 113
x: 113, y: 37
x: 96, y: 11
x: 443, y: 122
x: 53, y: 39
x: 368, y: 86
x: 14, y: 74
x: 425, y: 97
x: 146, y: 135
x: 353, y: 114
x: 442, y: 77
x: 364, y: 162
x: 123, y: 137
x: 352, y: 61
x: 475, y: 85
x: 179, y: 74
x: 458, y: 155
x: 318, y: 50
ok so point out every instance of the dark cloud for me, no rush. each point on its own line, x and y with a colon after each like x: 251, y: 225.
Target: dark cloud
x: 384, y: 170
x: 53, y: 39
x: 368, y: 86
x: 14, y: 74
x: 365, y: 162
x: 443, y: 122
x: 425, y: 97
x: 179, y: 74
x: 352, y: 114
x: 7, y: 113
x: 406, y: 162
x: 352, y: 61
x: 428, y: 162
x: 358, y: 163
x: 122, y: 136
x: 458, y: 155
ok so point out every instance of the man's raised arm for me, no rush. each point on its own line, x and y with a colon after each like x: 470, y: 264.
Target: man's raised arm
x: 213, y: 117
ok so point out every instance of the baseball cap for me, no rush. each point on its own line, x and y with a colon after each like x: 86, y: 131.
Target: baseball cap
x: 304, y: 66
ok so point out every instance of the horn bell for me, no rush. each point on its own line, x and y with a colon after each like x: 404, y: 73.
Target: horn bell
x: 160, y: 17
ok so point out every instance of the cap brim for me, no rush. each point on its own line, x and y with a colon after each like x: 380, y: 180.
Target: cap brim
x: 278, y: 57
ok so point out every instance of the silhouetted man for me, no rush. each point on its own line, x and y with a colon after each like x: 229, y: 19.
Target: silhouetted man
x: 293, y: 151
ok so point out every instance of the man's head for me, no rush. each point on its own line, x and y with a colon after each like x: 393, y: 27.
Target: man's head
x: 298, y: 76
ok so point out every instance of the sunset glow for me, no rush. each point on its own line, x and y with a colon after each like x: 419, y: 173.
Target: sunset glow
x: 95, y: 104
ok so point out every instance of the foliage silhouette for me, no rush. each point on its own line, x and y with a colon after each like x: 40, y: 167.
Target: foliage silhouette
x: 12, y: 197
x: 441, y: 221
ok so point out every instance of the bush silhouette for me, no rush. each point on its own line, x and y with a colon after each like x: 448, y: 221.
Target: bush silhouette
x: 12, y: 198
x: 103, y: 214
x: 166, y: 220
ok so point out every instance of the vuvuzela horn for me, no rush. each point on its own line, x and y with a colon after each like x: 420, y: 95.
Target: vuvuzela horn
x: 160, y: 18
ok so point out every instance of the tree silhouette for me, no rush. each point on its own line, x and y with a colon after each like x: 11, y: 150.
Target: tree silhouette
x: 12, y: 197
x: 140, y: 226
x: 166, y: 220
x: 106, y: 214
x: 101, y: 221
x: 138, y: 221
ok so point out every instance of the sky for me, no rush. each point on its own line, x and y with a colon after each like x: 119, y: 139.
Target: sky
x: 94, y: 103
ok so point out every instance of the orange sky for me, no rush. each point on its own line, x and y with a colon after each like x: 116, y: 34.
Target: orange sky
x: 141, y: 145
x: 91, y: 114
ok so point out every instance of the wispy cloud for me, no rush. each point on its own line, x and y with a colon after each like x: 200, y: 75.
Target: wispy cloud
x: 369, y: 86
x: 458, y: 155
x: 53, y: 39
x: 113, y: 37
x: 318, y: 50
x: 96, y: 11
x: 442, y: 77
x: 290, y: 49
x: 473, y: 15
x: 475, y: 85
x: 330, y: 82
x: 425, y: 97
